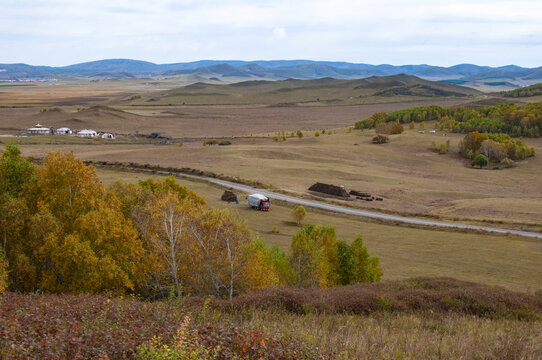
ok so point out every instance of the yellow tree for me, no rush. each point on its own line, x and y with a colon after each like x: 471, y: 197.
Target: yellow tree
x: 164, y: 223
x: 67, y: 187
x: 221, y: 239
x: 299, y: 213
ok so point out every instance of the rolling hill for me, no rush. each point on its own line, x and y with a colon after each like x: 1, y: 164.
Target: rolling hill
x: 237, y: 70
x: 296, y: 92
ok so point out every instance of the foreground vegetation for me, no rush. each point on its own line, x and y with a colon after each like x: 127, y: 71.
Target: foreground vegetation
x: 63, y: 232
x: 414, y: 319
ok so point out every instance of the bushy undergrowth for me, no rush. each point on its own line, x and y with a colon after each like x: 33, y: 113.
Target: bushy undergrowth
x: 97, y: 327
x: 437, y: 295
x: 416, y: 318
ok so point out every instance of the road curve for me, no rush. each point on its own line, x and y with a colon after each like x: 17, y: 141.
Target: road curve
x: 363, y: 213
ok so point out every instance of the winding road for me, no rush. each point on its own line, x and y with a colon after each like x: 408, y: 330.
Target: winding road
x: 359, y: 212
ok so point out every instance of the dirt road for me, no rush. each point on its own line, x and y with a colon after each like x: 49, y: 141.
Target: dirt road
x: 363, y: 213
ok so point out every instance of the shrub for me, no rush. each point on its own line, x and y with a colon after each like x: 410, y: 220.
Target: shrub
x: 507, y: 163
x: 210, y: 142
x: 438, y: 295
x: 89, y: 327
x: 224, y: 142
x: 480, y: 160
x: 391, y: 128
x: 299, y: 134
x: 317, y: 133
x: 380, y: 139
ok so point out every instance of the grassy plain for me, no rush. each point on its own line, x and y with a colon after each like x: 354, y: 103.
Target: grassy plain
x: 404, y: 252
x: 411, y: 179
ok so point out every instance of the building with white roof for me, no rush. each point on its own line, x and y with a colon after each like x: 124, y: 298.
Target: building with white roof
x: 64, y: 131
x: 87, y: 133
x: 39, y: 130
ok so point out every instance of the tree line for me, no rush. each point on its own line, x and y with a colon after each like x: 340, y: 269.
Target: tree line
x: 509, y: 118
x: 527, y: 91
x: 63, y: 231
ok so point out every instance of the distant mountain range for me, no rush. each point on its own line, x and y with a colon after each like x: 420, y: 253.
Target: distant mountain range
x: 235, y: 70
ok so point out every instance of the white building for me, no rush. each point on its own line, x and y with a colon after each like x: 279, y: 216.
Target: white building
x: 108, y: 136
x: 39, y: 130
x: 87, y: 133
x: 64, y: 131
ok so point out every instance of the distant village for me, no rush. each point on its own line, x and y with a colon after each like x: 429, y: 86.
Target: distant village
x: 39, y: 129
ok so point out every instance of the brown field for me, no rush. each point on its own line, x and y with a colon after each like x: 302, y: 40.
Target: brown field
x: 404, y: 252
x: 190, y: 122
x: 411, y: 179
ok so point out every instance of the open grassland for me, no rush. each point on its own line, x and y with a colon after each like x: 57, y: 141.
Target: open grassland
x: 191, y: 122
x: 404, y: 252
x: 411, y: 179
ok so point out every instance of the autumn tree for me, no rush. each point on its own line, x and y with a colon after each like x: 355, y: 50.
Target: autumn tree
x: 493, y: 150
x: 220, y: 260
x: 74, y: 237
x: 165, y: 224
x: 263, y: 268
x: 68, y: 188
x: 299, y: 213
x: 313, y: 254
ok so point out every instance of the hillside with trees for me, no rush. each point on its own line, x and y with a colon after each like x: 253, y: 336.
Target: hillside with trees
x: 509, y: 118
x: 526, y: 91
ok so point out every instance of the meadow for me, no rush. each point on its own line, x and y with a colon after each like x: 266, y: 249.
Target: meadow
x: 404, y: 252
x: 412, y: 179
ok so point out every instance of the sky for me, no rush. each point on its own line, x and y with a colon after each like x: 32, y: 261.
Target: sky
x: 64, y: 32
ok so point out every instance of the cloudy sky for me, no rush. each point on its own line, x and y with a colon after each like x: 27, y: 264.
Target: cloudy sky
x: 62, y: 32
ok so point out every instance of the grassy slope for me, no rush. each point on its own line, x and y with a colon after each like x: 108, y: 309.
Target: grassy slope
x: 404, y: 252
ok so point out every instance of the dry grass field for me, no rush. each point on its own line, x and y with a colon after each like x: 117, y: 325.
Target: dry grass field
x: 191, y: 122
x: 404, y: 252
x: 410, y: 178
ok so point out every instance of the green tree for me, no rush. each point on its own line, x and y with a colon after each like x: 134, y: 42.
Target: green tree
x: 16, y: 173
x: 366, y: 268
x: 347, y: 263
x: 480, y: 160
x: 314, y: 256
x: 299, y: 213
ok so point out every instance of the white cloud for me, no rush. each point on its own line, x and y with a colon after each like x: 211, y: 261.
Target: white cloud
x: 56, y: 32
x: 280, y: 32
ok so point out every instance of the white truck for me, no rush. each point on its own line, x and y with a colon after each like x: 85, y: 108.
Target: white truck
x: 258, y: 201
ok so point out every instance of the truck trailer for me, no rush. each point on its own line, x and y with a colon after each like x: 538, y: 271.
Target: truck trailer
x: 258, y: 201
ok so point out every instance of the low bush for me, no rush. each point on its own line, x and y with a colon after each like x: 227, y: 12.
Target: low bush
x: 437, y: 295
x: 85, y: 326
x: 380, y: 139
